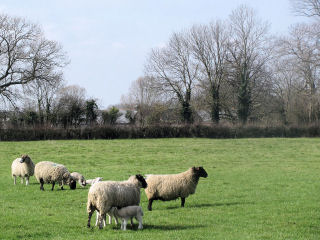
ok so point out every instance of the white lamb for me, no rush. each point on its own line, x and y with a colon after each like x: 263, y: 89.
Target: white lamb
x: 127, y: 213
x: 22, y: 167
x: 93, y: 181
x: 104, y: 195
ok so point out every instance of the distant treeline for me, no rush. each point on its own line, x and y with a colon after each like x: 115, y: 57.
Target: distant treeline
x: 158, y: 131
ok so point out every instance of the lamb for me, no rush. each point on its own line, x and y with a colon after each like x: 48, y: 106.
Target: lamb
x: 102, y: 196
x: 22, y: 167
x: 93, y: 181
x: 127, y: 213
x: 173, y: 186
x: 78, y: 177
x: 50, y: 172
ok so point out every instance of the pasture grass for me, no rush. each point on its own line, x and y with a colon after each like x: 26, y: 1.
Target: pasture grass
x: 256, y: 189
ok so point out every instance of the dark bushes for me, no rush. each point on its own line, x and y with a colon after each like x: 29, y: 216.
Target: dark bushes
x: 158, y: 131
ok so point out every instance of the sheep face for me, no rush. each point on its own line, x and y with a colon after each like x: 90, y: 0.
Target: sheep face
x: 200, y: 172
x: 72, y: 184
x: 142, y: 181
x: 68, y: 179
x: 25, y: 158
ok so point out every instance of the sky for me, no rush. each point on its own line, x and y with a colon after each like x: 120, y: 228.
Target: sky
x: 108, y: 42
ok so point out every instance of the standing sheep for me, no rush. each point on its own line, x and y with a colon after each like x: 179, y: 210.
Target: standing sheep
x: 22, y: 167
x: 172, y: 186
x: 50, y: 172
x: 80, y: 178
x: 104, y: 195
x: 127, y: 213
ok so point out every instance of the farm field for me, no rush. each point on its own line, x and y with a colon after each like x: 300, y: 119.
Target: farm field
x: 256, y: 189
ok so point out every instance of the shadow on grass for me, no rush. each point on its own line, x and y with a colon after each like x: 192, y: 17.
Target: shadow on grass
x: 202, y: 205
x: 171, y: 227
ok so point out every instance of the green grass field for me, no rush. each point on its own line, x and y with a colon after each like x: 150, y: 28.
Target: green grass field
x: 256, y: 189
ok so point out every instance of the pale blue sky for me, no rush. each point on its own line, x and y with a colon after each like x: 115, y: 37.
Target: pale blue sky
x: 108, y: 41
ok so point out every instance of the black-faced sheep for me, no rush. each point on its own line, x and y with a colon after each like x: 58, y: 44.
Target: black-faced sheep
x: 22, y: 167
x: 50, y: 172
x: 173, y: 186
x: 127, y: 213
x: 79, y: 178
x: 104, y: 195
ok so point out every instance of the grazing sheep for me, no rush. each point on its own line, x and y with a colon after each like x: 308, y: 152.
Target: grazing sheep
x: 93, y: 181
x: 50, y: 172
x: 104, y: 195
x: 80, y: 178
x: 173, y: 186
x: 127, y: 213
x: 22, y: 167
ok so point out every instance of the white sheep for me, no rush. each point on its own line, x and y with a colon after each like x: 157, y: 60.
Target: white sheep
x: 80, y: 178
x: 93, y: 181
x: 104, y: 195
x: 50, y: 172
x: 127, y: 213
x: 173, y: 186
x: 22, y: 167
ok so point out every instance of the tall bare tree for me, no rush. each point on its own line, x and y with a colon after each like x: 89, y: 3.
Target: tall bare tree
x: 308, y: 8
x: 209, y: 45
x: 248, y: 57
x: 175, y: 71
x: 302, y: 49
x: 25, y: 56
x: 142, y: 97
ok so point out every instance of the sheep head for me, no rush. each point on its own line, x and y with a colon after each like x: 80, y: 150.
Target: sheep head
x: 68, y: 179
x: 141, y: 180
x: 25, y: 158
x: 200, y: 172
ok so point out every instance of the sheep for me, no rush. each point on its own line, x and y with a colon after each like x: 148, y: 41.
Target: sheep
x: 22, y: 167
x: 172, y: 186
x: 50, y: 172
x: 93, y: 181
x: 106, y: 194
x: 78, y: 177
x: 127, y: 213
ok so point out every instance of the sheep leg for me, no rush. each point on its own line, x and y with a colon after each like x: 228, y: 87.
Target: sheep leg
x: 101, y: 218
x: 41, y: 184
x: 53, y: 183
x: 183, y: 200
x: 21, y: 180
x: 27, y: 180
x: 97, y: 218
x: 116, y: 220
x: 89, y: 218
x: 150, y: 204
x: 91, y: 211
x: 131, y: 223
x: 124, y: 224
x: 139, y: 218
x: 14, y: 180
x: 110, y: 219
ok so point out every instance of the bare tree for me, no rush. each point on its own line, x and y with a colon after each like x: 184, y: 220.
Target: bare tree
x: 308, y: 8
x: 43, y: 93
x: 25, y: 56
x: 248, y: 56
x: 142, y: 97
x: 301, y: 49
x: 175, y: 71
x: 209, y: 44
